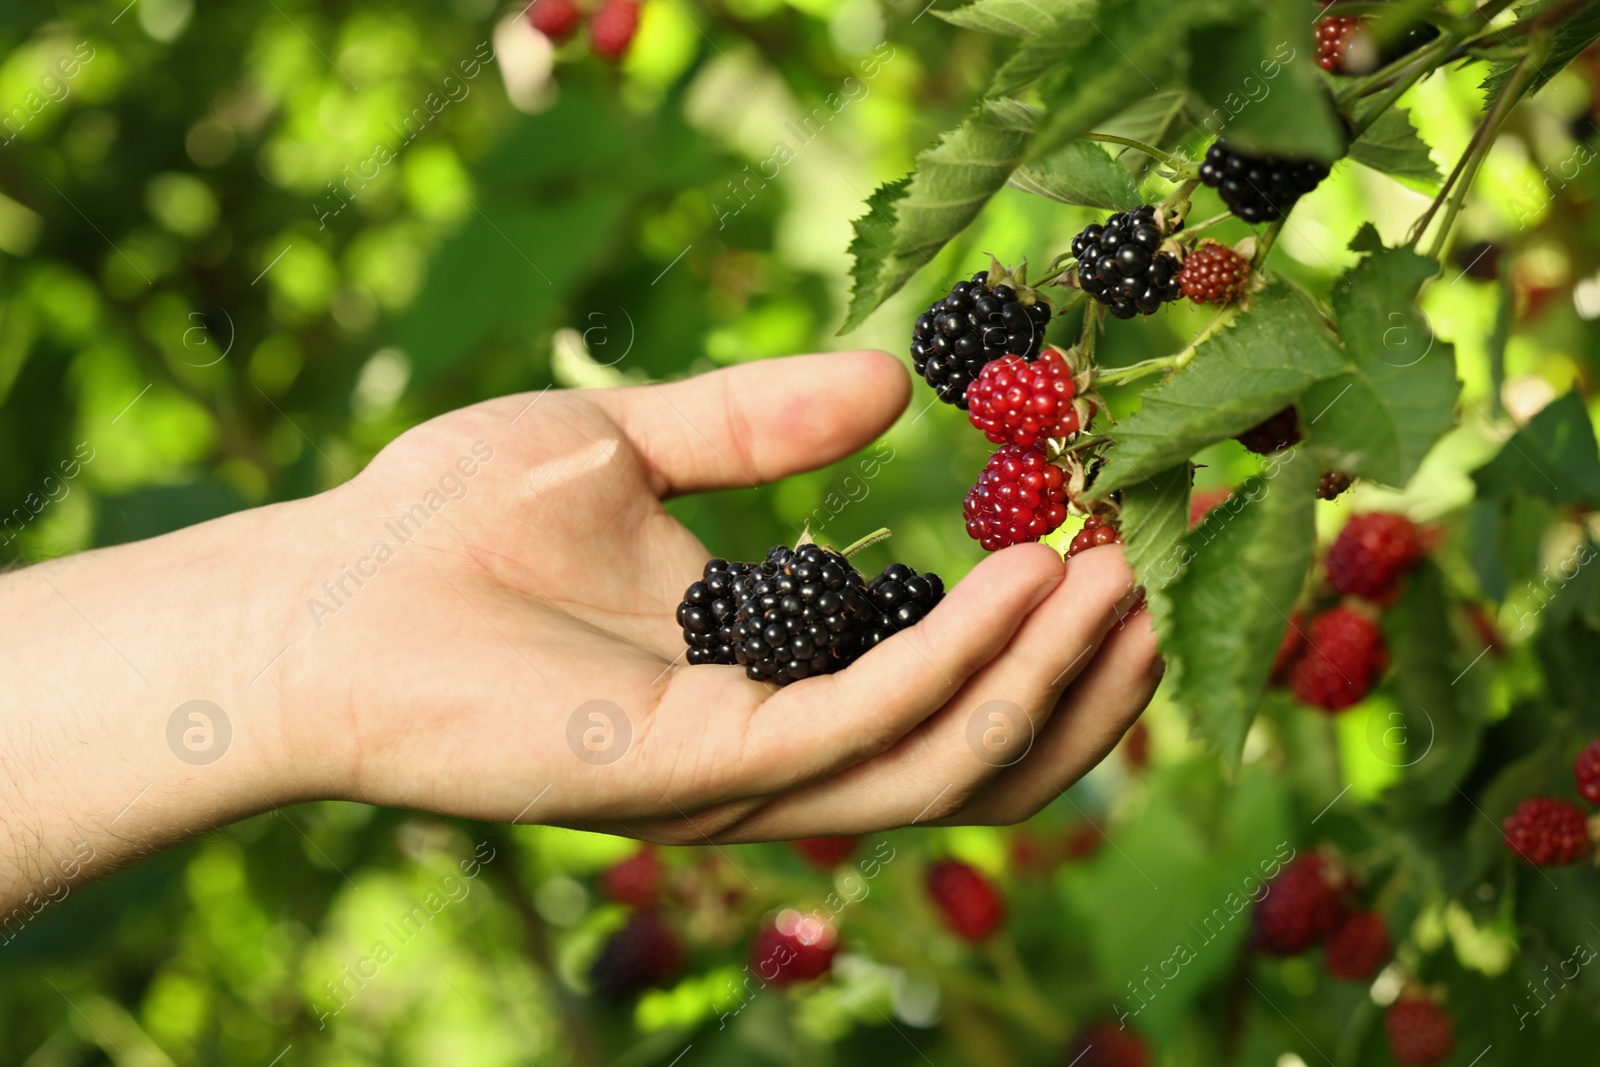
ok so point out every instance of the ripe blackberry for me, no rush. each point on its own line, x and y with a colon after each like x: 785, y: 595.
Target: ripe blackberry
x: 1120, y: 263
x: 706, y: 613
x: 612, y: 28
x: 556, y: 19
x: 1331, y: 484
x: 1259, y: 188
x: 1201, y: 501
x: 1106, y: 1044
x: 797, y: 616
x: 1019, y: 497
x: 1343, y: 657
x: 825, y: 853
x: 969, y: 903
x: 1420, y: 1032
x: 1214, y: 274
x: 897, y: 599
x: 793, y: 948
x: 636, y: 881
x: 974, y: 325
x: 1273, y: 434
x: 1096, y: 532
x: 1548, y: 832
x: 1334, y: 37
x: 1587, y: 770
x: 1357, y: 947
x: 1371, y: 553
x: 1302, y: 906
x: 641, y: 954
x: 1016, y: 403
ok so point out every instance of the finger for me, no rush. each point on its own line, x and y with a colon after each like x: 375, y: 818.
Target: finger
x: 758, y: 422
x: 816, y: 727
x: 937, y: 769
x: 1093, y: 715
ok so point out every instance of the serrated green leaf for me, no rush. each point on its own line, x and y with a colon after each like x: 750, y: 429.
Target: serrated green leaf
x: 907, y: 222
x: 1260, y: 82
x: 1575, y: 34
x: 1379, y: 420
x: 1018, y: 18
x: 1153, y: 521
x: 875, y: 272
x: 1393, y: 146
x: 1081, y: 173
x: 1247, y: 372
x: 1554, y: 457
x: 1131, y: 53
x: 1228, y: 610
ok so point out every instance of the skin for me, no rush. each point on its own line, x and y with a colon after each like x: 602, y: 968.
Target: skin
x: 544, y: 580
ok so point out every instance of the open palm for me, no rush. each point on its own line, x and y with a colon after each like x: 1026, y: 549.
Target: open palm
x: 515, y: 655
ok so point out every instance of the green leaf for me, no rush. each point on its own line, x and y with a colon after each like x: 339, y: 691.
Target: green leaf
x: 1230, y: 606
x: 1260, y: 81
x: 1554, y: 457
x: 1154, y: 520
x: 1019, y: 18
x: 1380, y: 420
x: 1254, y: 368
x: 1080, y: 173
x: 908, y: 222
x: 1393, y: 146
x: 1576, y: 33
x: 1131, y: 53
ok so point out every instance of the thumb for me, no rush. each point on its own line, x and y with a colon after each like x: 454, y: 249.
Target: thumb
x: 758, y: 422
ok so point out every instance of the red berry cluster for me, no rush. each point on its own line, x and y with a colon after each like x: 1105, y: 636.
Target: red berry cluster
x: 793, y: 947
x: 1341, y: 656
x: 1096, y: 532
x: 1214, y: 274
x: 1334, y: 36
x: 1016, y: 402
x: 1552, y: 831
x: 1312, y: 901
x: 1020, y: 497
x: 970, y: 904
x: 1108, y: 1044
x: 1371, y: 554
x: 611, y: 26
x: 1420, y: 1032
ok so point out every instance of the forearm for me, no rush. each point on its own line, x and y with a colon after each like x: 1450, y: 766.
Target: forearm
x: 103, y: 755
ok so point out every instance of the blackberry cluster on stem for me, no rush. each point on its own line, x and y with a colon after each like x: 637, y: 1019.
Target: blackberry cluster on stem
x: 972, y: 326
x: 1121, y: 264
x: 1259, y: 188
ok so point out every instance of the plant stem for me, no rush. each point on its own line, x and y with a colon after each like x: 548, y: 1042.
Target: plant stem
x: 1058, y: 266
x: 1091, y: 322
x: 881, y: 534
x: 1134, y: 371
x: 1215, y: 220
x: 1268, y: 239
x: 1478, y: 148
x: 1148, y: 149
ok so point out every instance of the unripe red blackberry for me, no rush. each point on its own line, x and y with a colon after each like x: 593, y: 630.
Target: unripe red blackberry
x: 1586, y: 768
x: 971, y: 327
x: 1259, y: 188
x: 1015, y: 402
x: 1370, y: 554
x: 1334, y: 37
x: 897, y: 599
x: 1020, y: 497
x: 641, y: 954
x: 1331, y: 484
x: 1343, y: 657
x: 636, y: 881
x: 1289, y: 649
x: 612, y: 28
x: 1120, y: 263
x: 1106, y: 1044
x: 1420, y: 1032
x: 1273, y: 434
x: 1357, y: 948
x: 1136, y: 745
x: 1302, y: 906
x: 706, y: 613
x: 1201, y: 501
x: 1214, y: 274
x: 793, y: 948
x: 1548, y: 832
x: 1096, y: 532
x: 556, y: 19
x: 969, y: 903
x: 825, y: 853
x: 798, y: 616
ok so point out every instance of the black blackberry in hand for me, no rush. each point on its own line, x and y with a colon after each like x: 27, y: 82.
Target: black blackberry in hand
x: 1259, y: 188
x: 706, y: 613
x: 897, y: 599
x: 1120, y: 263
x: 797, y: 617
x: 958, y: 334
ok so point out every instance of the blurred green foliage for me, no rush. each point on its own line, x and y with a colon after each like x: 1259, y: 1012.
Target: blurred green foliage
x: 230, y: 272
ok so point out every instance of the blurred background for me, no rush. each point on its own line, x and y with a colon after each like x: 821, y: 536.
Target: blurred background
x: 243, y: 246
